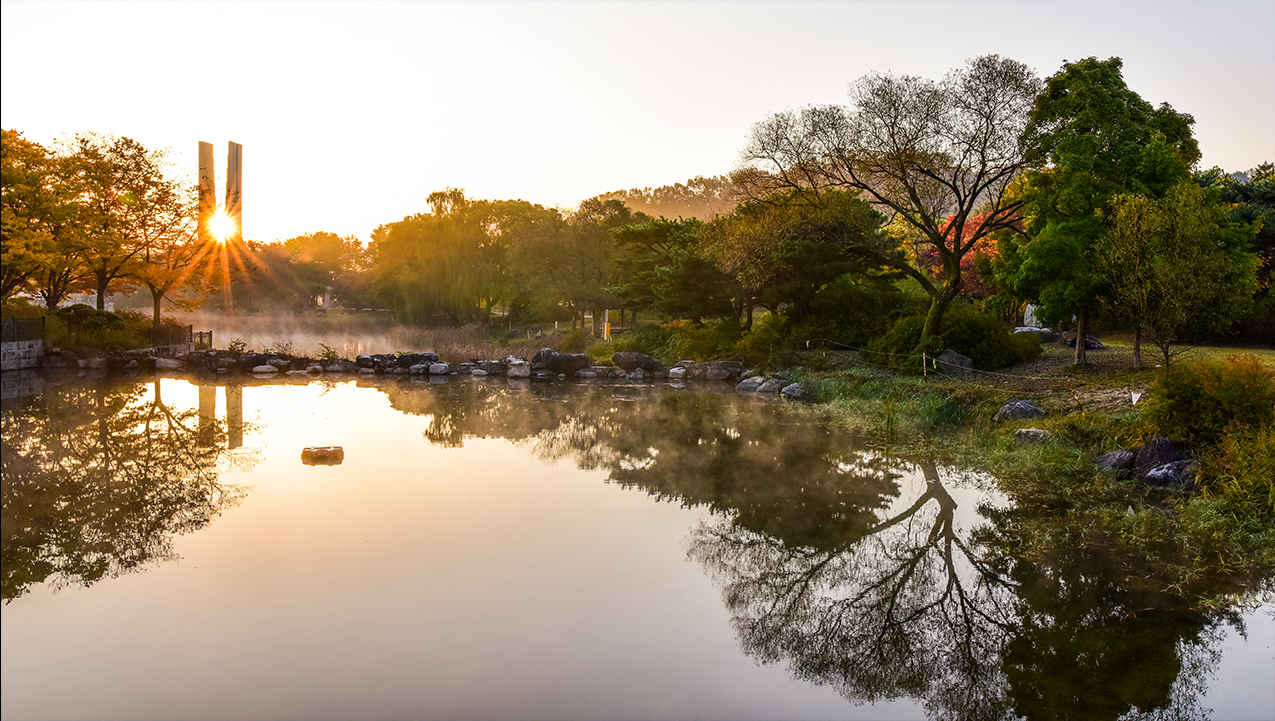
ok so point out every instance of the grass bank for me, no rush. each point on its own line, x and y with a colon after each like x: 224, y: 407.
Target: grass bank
x: 1207, y: 543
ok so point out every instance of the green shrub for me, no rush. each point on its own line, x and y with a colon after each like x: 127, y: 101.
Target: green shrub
x: 765, y: 342
x: 644, y: 339
x: 980, y: 336
x: 82, y: 326
x: 573, y: 341
x: 1242, y: 471
x: 850, y: 312
x: 1195, y: 403
x: 688, y: 341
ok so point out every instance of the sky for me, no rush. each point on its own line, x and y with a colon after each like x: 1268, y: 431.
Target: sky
x: 350, y: 114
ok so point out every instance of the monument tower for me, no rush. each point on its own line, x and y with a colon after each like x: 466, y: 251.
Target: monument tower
x: 208, y: 188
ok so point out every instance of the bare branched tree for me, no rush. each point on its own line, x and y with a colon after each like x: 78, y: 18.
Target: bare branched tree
x: 937, y: 157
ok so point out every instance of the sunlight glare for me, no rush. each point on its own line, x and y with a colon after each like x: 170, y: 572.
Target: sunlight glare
x: 221, y: 226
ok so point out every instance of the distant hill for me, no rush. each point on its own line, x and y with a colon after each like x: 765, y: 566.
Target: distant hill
x: 698, y: 197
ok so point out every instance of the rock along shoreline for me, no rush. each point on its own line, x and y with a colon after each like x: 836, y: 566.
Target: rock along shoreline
x: 546, y: 365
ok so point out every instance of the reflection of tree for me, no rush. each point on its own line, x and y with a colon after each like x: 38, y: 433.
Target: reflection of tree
x: 1091, y: 641
x: 902, y: 608
x: 97, y: 481
x: 877, y: 603
x: 801, y: 484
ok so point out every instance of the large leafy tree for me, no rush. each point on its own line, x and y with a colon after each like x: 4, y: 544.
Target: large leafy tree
x: 661, y: 268
x: 41, y: 243
x: 933, y: 155
x: 1177, y: 267
x: 321, y: 260
x: 784, y: 250
x: 1090, y: 139
x: 126, y: 202
x: 1252, y: 202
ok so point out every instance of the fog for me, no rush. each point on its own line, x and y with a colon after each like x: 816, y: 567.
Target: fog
x: 351, y: 333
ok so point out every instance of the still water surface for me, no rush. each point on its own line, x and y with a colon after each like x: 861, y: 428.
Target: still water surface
x: 548, y: 551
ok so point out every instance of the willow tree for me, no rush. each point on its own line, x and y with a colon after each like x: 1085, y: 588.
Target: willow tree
x: 936, y: 156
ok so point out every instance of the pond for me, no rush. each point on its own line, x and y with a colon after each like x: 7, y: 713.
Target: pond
x: 548, y: 550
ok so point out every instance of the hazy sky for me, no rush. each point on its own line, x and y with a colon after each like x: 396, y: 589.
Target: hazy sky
x: 351, y: 113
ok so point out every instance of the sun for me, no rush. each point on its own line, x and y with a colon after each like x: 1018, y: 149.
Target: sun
x: 221, y: 226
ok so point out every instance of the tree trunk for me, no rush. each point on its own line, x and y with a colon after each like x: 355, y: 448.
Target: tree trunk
x: 102, y: 282
x: 934, y: 318
x: 1137, y: 346
x: 1082, y: 333
x: 158, y: 297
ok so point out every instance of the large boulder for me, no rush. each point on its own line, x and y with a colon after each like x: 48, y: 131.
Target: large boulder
x: 1155, y: 453
x: 1091, y: 343
x: 248, y: 361
x: 407, y: 360
x: 952, y: 362
x: 748, y: 385
x: 560, y: 363
x: 384, y: 361
x: 1178, y: 474
x: 797, y: 394
x: 1018, y: 409
x: 439, y: 369
x: 265, y: 368
x: 517, y: 367
x: 365, y: 361
x: 491, y: 367
x: 1046, y: 335
x: 167, y: 364
x: 774, y: 385
x: 1120, y: 461
x: 722, y: 371
x: 632, y: 361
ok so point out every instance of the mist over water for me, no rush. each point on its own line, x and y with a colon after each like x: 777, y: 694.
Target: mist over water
x: 349, y: 334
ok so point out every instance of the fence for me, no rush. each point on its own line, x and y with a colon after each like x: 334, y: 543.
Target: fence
x: 19, y: 329
x: 171, y: 335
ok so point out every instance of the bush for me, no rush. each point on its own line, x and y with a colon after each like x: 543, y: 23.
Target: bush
x: 688, y: 341
x: 573, y: 341
x: 1196, y: 403
x: 82, y: 326
x: 980, y: 336
x: 850, y: 312
x: 762, y: 345
x: 645, y: 339
x: 1242, y: 472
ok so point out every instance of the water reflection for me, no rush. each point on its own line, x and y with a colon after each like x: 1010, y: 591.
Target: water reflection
x: 98, y: 479
x: 827, y: 568
x: 870, y: 574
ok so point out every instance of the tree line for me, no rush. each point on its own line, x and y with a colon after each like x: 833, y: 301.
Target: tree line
x: 989, y: 186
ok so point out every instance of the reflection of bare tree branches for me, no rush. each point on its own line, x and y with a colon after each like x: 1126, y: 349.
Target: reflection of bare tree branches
x: 98, y: 481
x: 904, y: 609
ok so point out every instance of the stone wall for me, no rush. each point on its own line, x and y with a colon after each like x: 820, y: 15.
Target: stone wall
x: 16, y: 355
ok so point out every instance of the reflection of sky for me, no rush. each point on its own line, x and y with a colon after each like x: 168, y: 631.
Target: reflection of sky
x: 412, y: 580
